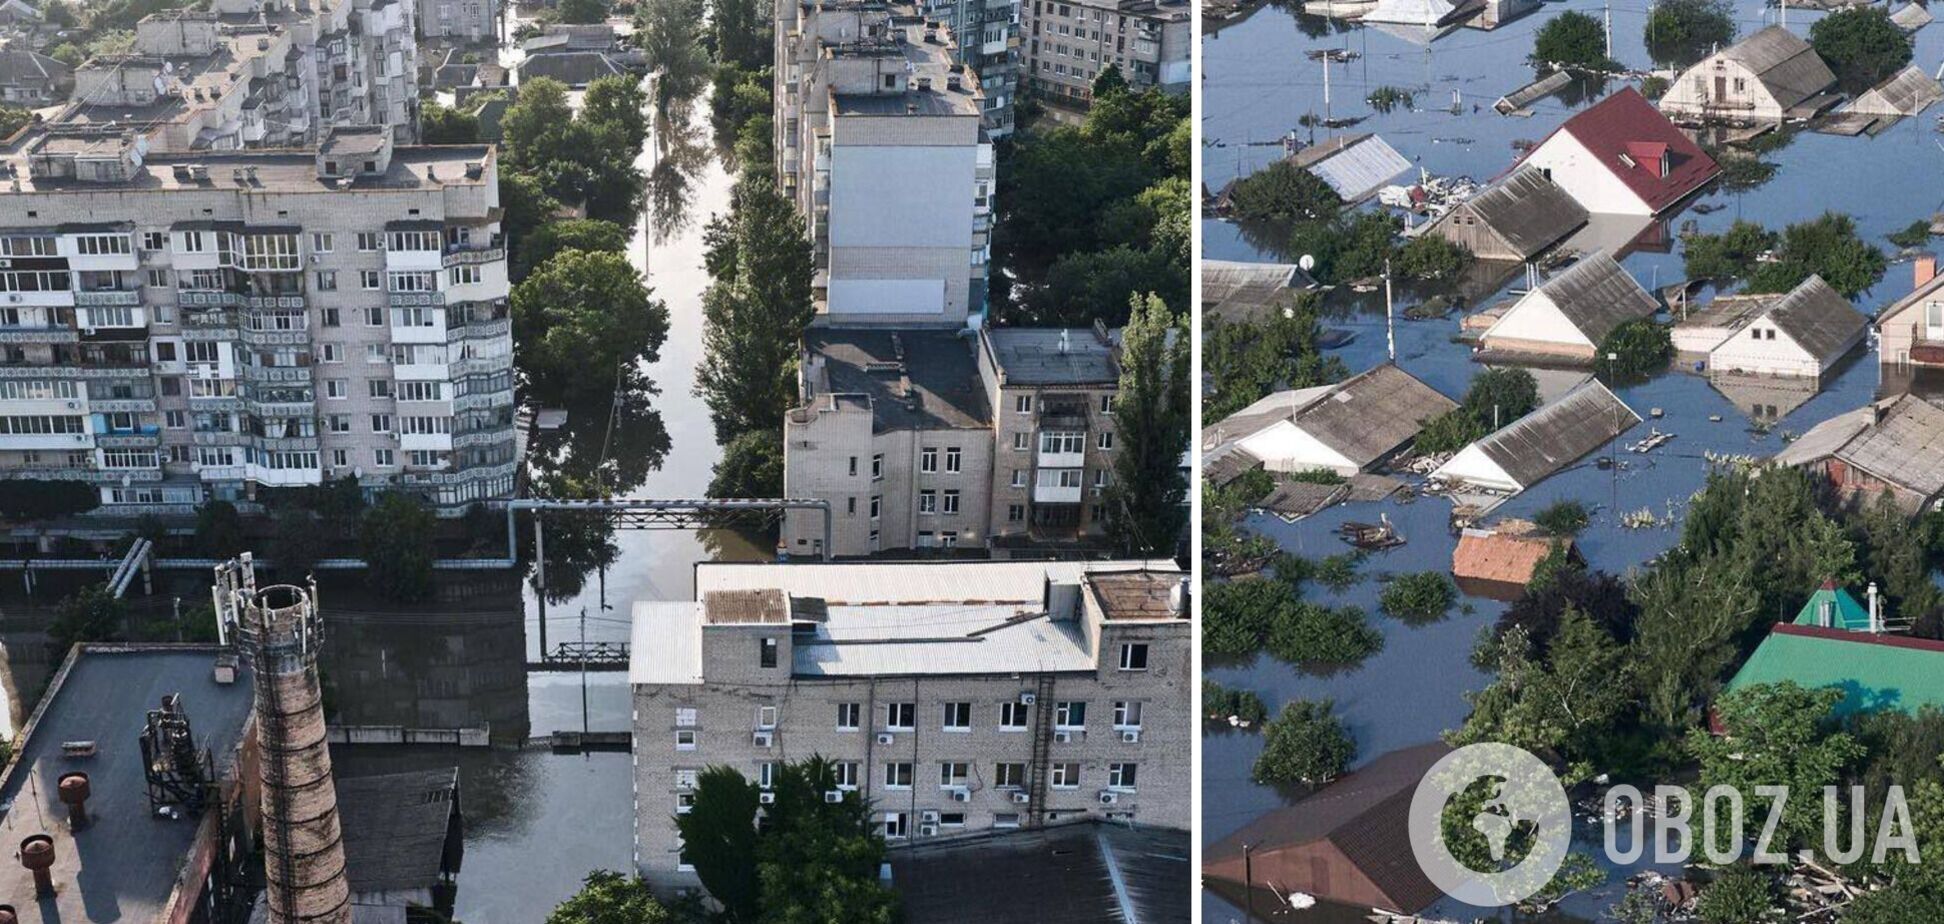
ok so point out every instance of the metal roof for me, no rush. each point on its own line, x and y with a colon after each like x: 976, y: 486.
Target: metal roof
x: 1595, y: 294
x: 1900, y: 441
x: 913, y: 379
x: 907, y: 582
x: 1367, y: 416
x: 1353, y: 165
x: 1907, y: 93
x: 1911, y: 16
x: 1527, y: 209
x: 1784, y: 63
x: 1235, y: 290
x: 1875, y: 672
x: 1054, y: 355
x: 870, y: 641
x: 397, y: 828
x: 1535, y: 446
x: 665, y: 643
x: 1061, y: 874
x: 1818, y: 318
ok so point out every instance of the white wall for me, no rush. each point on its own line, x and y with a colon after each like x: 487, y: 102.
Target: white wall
x: 1283, y: 447
x: 1584, y: 178
x: 1781, y: 356
x: 1536, y: 318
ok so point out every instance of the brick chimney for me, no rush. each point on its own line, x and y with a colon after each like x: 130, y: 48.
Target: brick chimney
x: 1923, y: 269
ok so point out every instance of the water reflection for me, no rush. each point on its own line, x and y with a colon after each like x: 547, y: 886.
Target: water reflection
x: 682, y: 152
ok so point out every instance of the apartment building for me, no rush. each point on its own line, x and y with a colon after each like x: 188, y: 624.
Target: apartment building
x: 179, y: 327
x: 464, y: 21
x: 872, y: 109
x: 940, y: 439
x: 1069, y: 42
x: 956, y: 698
x: 988, y: 43
x: 256, y: 74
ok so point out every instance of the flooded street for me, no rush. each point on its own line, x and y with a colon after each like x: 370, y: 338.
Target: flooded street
x: 1258, y: 84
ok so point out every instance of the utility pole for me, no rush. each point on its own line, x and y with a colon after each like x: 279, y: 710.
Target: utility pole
x: 583, y: 661
x: 1248, y: 881
x: 1390, y: 325
x: 1608, y: 16
x: 178, y: 618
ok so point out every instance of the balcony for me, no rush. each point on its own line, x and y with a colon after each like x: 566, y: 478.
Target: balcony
x: 417, y: 300
x: 283, y: 374
x: 458, y: 255
x: 142, y: 438
x: 108, y: 298
x: 479, y: 330
x: 39, y: 333
x: 1058, y: 486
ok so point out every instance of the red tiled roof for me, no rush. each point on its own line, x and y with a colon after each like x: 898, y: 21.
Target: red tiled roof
x: 1626, y: 123
x: 1501, y: 556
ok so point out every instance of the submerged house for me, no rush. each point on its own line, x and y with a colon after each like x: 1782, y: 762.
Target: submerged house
x: 1910, y: 332
x: 1894, y: 445
x: 1234, y: 290
x: 1513, y: 219
x: 1352, y: 426
x: 1529, y: 450
x: 1906, y: 93
x: 1623, y: 157
x: 1837, y: 642
x: 1567, y: 317
x: 1802, y: 333
x: 1347, y: 843
x: 1355, y: 166
x: 1766, y: 77
x: 1499, y: 562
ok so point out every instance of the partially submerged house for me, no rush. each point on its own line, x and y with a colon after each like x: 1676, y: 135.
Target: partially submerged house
x: 1622, y: 156
x: 1834, y: 641
x: 1910, y: 332
x: 1566, y: 318
x: 1906, y: 93
x: 1894, y: 445
x: 1421, y: 21
x: 1235, y: 291
x: 1352, y: 426
x: 1911, y: 16
x: 1347, y: 843
x: 1513, y: 219
x: 1803, y: 333
x: 1529, y: 450
x: 1767, y: 77
x: 1498, y: 562
x: 1355, y: 166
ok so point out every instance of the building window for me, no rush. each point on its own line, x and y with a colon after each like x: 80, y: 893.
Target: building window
x: 322, y: 241
x: 1127, y: 714
x: 1009, y: 776
x: 766, y: 652
x: 684, y: 739
x: 877, y: 505
x: 847, y: 716
x: 877, y: 467
x: 327, y: 280
x: 900, y: 716
x: 846, y: 773
x: 1012, y: 716
x: 1066, y: 776
x: 1006, y: 820
x: 332, y: 318
x: 155, y: 240
x: 1023, y: 404
x: 895, y: 826
x: 1120, y: 777
x: 853, y: 466
x: 1133, y: 657
x: 1070, y: 715
x: 951, y: 502
x: 1015, y: 513
x: 1062, y: 442
x: 897, y: 775
x: 330, y: 352
x: 1106, y: 441
x: 685, y: 717
x: 1019, y: 478
x: 381, y: 423
x: 383, y: 458
x: 1106, y: 404
x: 765, y: 716
x: 1022, y: 441
x: 334, y: 389
x: 954, y: 459
x: 371, y: 281
x: 369, y: 241
x: 927, y: 501
x: 928, y: 460
x: 954, y: 774
x: 766, y: 774
x: 958, y: 717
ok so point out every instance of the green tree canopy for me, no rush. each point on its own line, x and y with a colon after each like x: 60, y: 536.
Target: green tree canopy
x: 581, y: 320
x: 756, y: 307
x: 398, y: 533
x: 91, y: 614
x: 1681, y: 32
x: 608, y: 897
x: 1572, y: 40
x: 1861, y: 45
x: 669, y: 34
x: 584, y: 234
x: 719, y: 839
x: 1283, y: 191
x: 1305, y: 743
x: 1148, y: 496
x: 1778, y: 735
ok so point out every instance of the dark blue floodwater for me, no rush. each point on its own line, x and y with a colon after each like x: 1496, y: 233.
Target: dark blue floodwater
x: 1257, y: 84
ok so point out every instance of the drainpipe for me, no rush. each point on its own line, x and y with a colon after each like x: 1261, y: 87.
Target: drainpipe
x: 1876, y: 610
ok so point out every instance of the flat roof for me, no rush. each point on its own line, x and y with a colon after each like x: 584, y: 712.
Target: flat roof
x: 1062, y: 874
x: 893, y: 640
x: 1054, y: 355
x: 876, y: 583
x: 665, y: 643
x: 123, y: 866
x: 747, y: 607
x: 1133, y: 596
x: 415, y: 168
x: 914, y: 379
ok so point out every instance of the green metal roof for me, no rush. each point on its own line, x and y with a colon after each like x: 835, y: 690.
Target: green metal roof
x: 1843, y: 609
x: 1874, y: 671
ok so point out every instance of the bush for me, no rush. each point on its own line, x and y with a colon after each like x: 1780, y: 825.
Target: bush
x: 1221, y: 705
x: 1387, y: 98
x: 1728, y: 255
x: 1562, y: 518
x: 1283, y: 191
x: 1861, y: 45
x: 1639, y: 349
x: 1572, y: 40
x: 1682, y: 31
x: 1419, y: 598
x: 41, y: 499
x: 1312, y: 633
x: 1915, y: 234
x: 1430, y: 257
x: 1826, y: 246
x: 91, y: 615
x: 1305, y: 744
x: 1237, y: 615
x: 397, y: 535
x: 1338, y: 571
x: 1740, y: 894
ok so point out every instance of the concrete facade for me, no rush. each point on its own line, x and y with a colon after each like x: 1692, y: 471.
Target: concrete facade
x: 1069, y: 42
x: 1079, y: 708
x: 459, y: 20
x: 989, y: 44
x: 236, y: 321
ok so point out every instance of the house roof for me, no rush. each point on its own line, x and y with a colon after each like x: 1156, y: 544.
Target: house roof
x: 1419, y: 12
x: 1911, y: 16
x: 1232, y: 289
x: 1907, y: 93
x: 1363, y: 418
x: 1834, y: 607
x: 1929, y: 287
x: 1874, y: 671
x: 1353, y: 165
x: 1899, y: 440
x: 1784, y: 63
x: 1596, y: 295
x: 1362, y: 816
x: 1504, y: 556
x: 913, y: 379
x: 573, y: 68
x: 1817, y: 317
x: 1527, y: 209
x: 1556, y: 435
x: 20, y: 67
x: 396, y: 828
x: 1228, y: 463
x: 1059, y: 874
x: 1625, y: 123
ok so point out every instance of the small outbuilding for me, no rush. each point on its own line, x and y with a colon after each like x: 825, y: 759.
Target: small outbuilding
x: 1534, y: 447
x: 1567, y: 317
x: 1803, y: 333
x: 1498, y: 562
x: 1513, y: 219
x: 1907, y: 93
x: 1352, y: 426
x: 1355, y: 166
x: 1235, y: 291
x: 1767, y: 77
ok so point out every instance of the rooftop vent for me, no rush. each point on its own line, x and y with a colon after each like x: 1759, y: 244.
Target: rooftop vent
x: 74, y: 794
x: 37, y: 855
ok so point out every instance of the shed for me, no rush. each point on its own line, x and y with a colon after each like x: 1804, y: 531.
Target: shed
x: 1801, y: 334
x: 1875, y: 671
x: 1356, y: 166
x: 1907, y: 93
x: 1498, y: 562
x: 1894, y: 445
x: 1567, y: 317
x: 1623, y: 157
x: 1512, y: 219
x: 1234, y: 290
x: 1768, y: 76
x: 1349, y: 842
x: 1349, y: 427
x: 1529, y: 450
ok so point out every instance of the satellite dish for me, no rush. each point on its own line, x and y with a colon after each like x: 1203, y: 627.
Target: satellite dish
x: 168, y: 67
x: 1306, y: 263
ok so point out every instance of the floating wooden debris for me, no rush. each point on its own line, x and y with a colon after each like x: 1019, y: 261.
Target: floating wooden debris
x: 1372, y: 536
x: 1651, y: 441
x: 1515, y: 102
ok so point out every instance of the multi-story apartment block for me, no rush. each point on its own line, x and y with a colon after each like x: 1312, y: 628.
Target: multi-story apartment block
x: 1069, y: 42
x: 955, y: 698
x: 467, y: 21
x: 256, y: 74
x: 936, y: 439
x: 881, y: 144
x: 179, y: 327
x: 988, y: 42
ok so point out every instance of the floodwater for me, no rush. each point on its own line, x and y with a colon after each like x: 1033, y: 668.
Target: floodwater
x: 1258, y: 82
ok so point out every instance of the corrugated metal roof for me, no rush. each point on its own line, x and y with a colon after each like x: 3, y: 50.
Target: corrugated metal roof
x: 1911, y: 17
x: 395, y: 828
x: 1900, y: 441
x: 1369, y: 415
x: 1527, y: 209
x: 1618, y: 129
x: 1784, y: 63
x: 665, y: 643
x: 1418, y: 12
x: 1083, y: 873
x: 1535, y: 446
x: 1233, y: 290
x: 1907, y: 93
x: 1875, y: 672
x: 1833, y: 607
x: 1596, y: 294
x: 1501, y: 556
x: 1353, y: 165
x: 1818, y: 318
x: 911, y: 583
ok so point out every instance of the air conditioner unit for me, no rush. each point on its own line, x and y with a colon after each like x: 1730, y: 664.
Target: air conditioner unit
x: 927, y: 830
x: 73, y: 405
x: 886, y: 738
x: 766, y: 798
x: 764, y: 739
x: 1109, y: 798
x: 1022, y: 798
x: 1131, y: 735
x: 961, y: 795
x: 1027, y: 699
x: 833, y: 795
x: 1063, y: 737
x: 928, y: 817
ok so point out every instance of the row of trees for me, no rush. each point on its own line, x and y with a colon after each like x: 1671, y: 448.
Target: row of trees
x: 1827, y: 246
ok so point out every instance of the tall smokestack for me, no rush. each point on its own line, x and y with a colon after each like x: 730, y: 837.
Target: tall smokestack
x: 279, y: 630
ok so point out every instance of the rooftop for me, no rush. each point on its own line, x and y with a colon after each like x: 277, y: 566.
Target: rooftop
x: 123, y: 866
x: 1505, y: 556
x: 934, y: 85
x: 876, y: 583
x: 1559, y: 433
x: 913, y: 379
x: 1527, y: 209
x: 1363, y: 418
x: 411, y: 169
x: 1133, y: 596
x: 1054, y: 356
x: 401, y: 830
x: 1063, y: 874
x: 1244, y: 291
x: 1784, y: 63
x: 1595, y: 294
x: 1874, y: 671
x: 940, y: 638
x: 746, y: 607
x: 1623, y: 129
x: 1898, y: 440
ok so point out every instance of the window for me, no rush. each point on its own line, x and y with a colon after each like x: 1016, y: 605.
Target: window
x: 877, y: 467
x: 900, y: 716
x: 1133, y: 657
x: 463, y: 274
x: 897, y: 775
x: 766, y: 774
x: 853, y: 466
x: 1006, y: 820
x: 928, y: 460
x: 954, y: 774
x: 1022, y: 441
x: 1012, y: 716
x: 1066, y: 776
x: 159, y: 278
x: 1009, y: 776
x: 339, y: 423
x: 414, y: 281
x: 896, y: 826
x: 1056, y: 441
x: 847, y: 716
x: 954, y: 459
x: 155, y: 240
x: 1127, y: 714
x: 958, y: 717
x: 174, y: 420
x: 383, y: 458
x: 322, y: 241
x: 332, y: 317
x: 1120, y: 777
x: 846, y: 773
x: 327, y: 280
x: 951, y: 502
x: 877, y: 504
x: 951, y: 819
x: 334, y: 389
x: 1070, y: 715
x: 371, y: 281
x: 330, y: 352
x: 378, y: 388
x: 766, y: 652
x: 1023, y: 404
x: 368, y: 241
x: 927, y: 501
x: 685, y: 717
x: 765, y: 716
x: 341, y: 457
x: 381, y: 423
x: 684, y: 739
x: 686, y: 779
x: 1106, y: 441
x: 1106, y: 404
x: 1015, y: 513
x: 375, y: 353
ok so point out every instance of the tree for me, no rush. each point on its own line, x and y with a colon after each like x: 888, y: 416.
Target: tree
x: 1826, y: 246
x: 298, y: 542
x: 1692, y: 616
x: 581, y: 320
x: 1682, y: 31
x: 1236, y: 615
x: 13, y: 119
x: 45, y: 499
x: 91, y: 614
x: 669, y: 33
x: 1430, y: 258
x: 535, y: 129
x: 1306, y: 743
x: 1731, y: 254
x: 1245, y: 360
x: 397, y: 535
x: 1283, y: 191
x: 1572, y: 40
x: 608, y: 897
x: 440, y: 125
x: 1861, y: 45
x: 1494, y: 398
x: 1311, y: 633
x: 587, y: 159
x: 817, y: 861
x: 581, y: 12
x: 751, y: 466
x: 584, y: 234
x: 1109, y: 82
x: 524, y: 206
x: 1599, y: 595
x: 756, y: 307
x: 1741, y: 894
x: 1778, y: 735
x: 219, y: 530
x: 1635, y: 350
x: 1419, y: 598
x: 1564, y: 702
x: 1148, y: 496
x: 742, y: 33
x: 719, y: 839
x: 1562, y: 518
